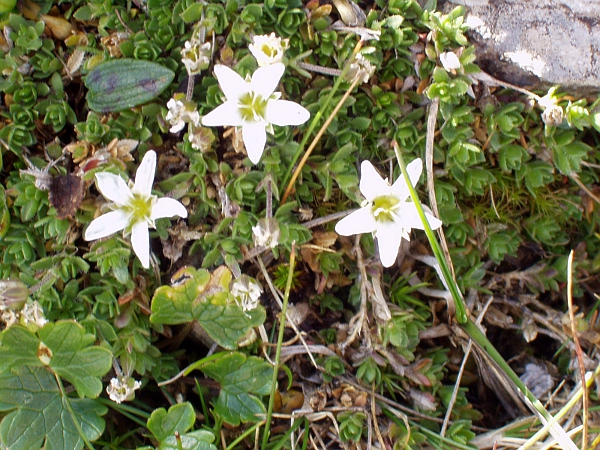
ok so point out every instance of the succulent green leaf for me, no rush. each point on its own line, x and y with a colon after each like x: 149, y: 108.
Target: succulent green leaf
x: 124, y: 83
x: 242, y: 379
x: 69, y: 353
x: 33, y: 401
x: 205, y: 298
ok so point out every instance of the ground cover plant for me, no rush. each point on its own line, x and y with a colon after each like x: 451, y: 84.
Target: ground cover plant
x: 217, y: 231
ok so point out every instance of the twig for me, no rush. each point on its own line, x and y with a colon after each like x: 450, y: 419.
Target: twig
x: 578, y: 351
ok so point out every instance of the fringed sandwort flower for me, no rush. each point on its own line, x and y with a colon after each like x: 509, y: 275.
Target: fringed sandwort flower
x: 134, y: 208
x: 254, y: 106
x: 387, y: 211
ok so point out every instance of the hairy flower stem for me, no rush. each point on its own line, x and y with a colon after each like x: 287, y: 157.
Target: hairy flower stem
x: 286, y: 297
x: 314, y: 123
x: 469, y: 326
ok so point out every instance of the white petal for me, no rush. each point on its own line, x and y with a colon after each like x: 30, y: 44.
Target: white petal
x: 409, y: 218
x: 144, y: 177
x: 360, y: 221
x: 255, y: 138
x: 284, y: 112
x: 230, y: 82
x: 265, y: 79
x: 400, y: 188
x: 167, y: 207
x: 371, y: 183
x: 113, y: 187
x: 106, y: 224
x: 227, y: 114
x: 388, y: 241
x: 140, y: 241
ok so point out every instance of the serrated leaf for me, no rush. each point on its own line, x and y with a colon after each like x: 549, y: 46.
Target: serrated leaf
x: 70, y: 354
x: 241, y: 378
x: 205, y: 298
x: 38, y: 414
x: 179, y: 418
x: 124, y: 83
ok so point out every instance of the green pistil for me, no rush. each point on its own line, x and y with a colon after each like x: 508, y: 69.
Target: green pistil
x: 253, y: 107
x: 383, y: 208
x: 141, y: 208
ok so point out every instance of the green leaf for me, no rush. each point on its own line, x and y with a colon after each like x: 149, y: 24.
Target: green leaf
x: 169, y: 428
x: 180, y: 418
x: 69, y: 353
x: 38, y: 414
x: 242, y: 378
x: 205, y: 298
x: 124, y: 83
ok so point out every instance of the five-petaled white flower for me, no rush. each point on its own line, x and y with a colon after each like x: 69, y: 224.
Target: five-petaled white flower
x: 268, y: 49
x: 134, y: 208
x: 254, y: 106
x: 387, y: 212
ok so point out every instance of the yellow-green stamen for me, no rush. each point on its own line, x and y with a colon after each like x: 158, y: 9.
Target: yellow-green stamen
x: 253, y: 107
x: 140, y: 208
x: 383, y: 208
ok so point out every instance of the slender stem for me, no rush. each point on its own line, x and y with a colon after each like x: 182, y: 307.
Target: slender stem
x: 461, y: 312
x: 67, y: 403
x: 286, y: 297
x: 318, y: 116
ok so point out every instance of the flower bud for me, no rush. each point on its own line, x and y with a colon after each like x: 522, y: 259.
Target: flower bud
x: 13, y: 294
x: 266, y: 232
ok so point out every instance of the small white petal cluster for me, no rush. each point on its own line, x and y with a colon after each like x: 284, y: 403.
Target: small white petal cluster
x: 122, y: 389
x: 361, y: 69
x: 266, y: 232
x: 180, y: 113
x: 31, y: 314
x: 195, y: 56
x: 387, y: 212
x: 268, y: 49
x: 246, y: 292
x: 134, y: 208
x: 254, y: 106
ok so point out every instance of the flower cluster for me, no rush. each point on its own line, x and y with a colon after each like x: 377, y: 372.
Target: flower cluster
x: 134, y: 208
x: 181, y: 112
x: 122, y: 388
x: 387, y: 211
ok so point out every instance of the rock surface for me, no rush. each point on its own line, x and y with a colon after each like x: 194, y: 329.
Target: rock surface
x: 538, y: 43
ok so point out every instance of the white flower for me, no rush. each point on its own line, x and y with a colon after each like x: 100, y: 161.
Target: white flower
x: 195, y: 56
x: 266, y: 232
x: 32, y: 313
x: 254, y: 106
x: 134, y: 208
x: 388, y: 212
x: 122, y: 389
x: 180, y: 113
x: 268, y: 49
x: 247, y: 292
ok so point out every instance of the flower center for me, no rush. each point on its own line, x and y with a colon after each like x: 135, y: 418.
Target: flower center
x: 140, y: 208
x: 253, y: 107
x: 383, y: 208
x: 268, y: 50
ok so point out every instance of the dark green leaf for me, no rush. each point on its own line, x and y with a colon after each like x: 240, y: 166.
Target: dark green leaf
x: 124, y: 83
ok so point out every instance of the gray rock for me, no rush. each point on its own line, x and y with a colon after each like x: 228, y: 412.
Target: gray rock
x: 538, y: 43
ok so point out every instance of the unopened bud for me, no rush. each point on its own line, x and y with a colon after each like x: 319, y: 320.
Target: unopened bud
x: 13, y: 294
x: 553, y: 116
